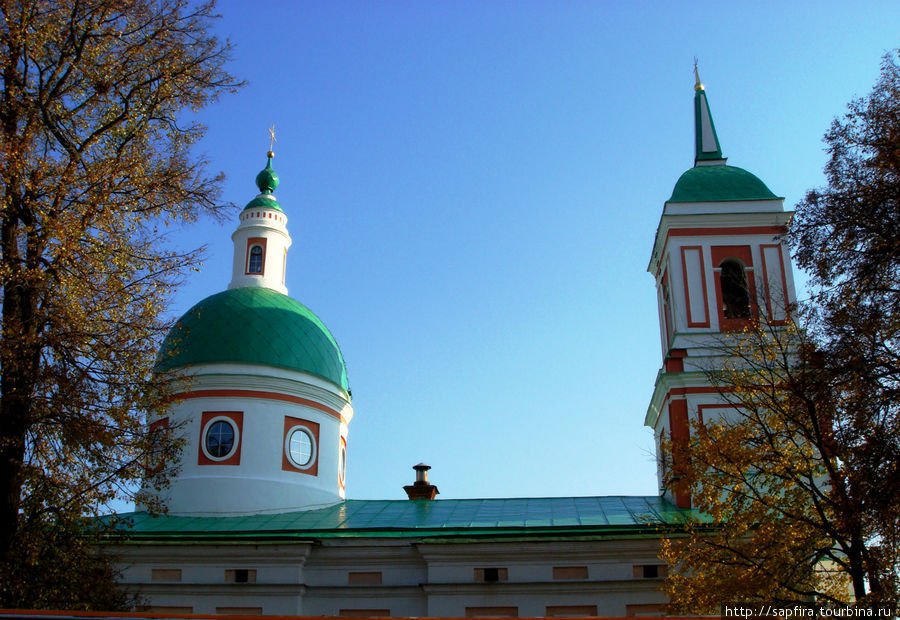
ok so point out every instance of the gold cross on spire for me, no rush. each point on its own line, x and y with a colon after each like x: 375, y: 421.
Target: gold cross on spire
x: 272, y: 141
x: 698, y: 85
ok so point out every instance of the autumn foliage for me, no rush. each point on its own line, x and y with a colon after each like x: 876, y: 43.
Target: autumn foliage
x: 96, y: 166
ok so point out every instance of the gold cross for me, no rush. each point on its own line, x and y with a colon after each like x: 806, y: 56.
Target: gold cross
x: 272, y: 139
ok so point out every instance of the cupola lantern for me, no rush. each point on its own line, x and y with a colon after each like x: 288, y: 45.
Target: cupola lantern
x: 261, y: 240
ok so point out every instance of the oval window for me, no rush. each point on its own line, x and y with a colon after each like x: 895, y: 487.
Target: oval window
x: 220, y: 440
x: 300, y: 447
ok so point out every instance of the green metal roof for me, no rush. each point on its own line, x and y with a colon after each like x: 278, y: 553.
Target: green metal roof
x: 548, y: 516
x: 253, y: 325
x: 719, y: 184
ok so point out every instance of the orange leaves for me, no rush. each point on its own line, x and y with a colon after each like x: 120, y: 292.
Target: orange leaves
x: 95, y: 157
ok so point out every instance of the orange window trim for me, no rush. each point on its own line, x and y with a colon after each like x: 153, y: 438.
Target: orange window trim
x: 252, y: 241
x: 342, y: 480
x: 235, y: 416
x: 313, y: 428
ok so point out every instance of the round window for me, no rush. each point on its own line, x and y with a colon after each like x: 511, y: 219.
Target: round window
x: 300, y: 447
x: 221, y: 439
x: 342, y: 465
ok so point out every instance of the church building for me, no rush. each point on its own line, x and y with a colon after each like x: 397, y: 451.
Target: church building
x: 258, y: 521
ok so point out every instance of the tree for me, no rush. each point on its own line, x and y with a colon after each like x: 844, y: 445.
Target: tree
x: 95, y: 164
x: 800, y: 484
x: 779, y: 523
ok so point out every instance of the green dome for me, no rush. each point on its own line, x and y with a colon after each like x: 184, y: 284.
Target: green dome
x: 267, y: 179
x: 719, y: 184
x: 267, y: 182
x: 253, y: 325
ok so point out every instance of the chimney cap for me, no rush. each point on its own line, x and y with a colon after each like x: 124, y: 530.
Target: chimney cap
x: 421, y: 488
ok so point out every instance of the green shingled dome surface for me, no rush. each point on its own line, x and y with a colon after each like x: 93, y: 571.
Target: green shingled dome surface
x: 253, y: 325
x: 719, y: 184
x: 264, y: 201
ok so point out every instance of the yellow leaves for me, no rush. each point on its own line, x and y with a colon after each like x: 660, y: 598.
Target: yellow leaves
x: 94, y: 161
x: 766, y: 476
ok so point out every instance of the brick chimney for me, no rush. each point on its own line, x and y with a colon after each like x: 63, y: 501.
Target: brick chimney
x: 421, y: 488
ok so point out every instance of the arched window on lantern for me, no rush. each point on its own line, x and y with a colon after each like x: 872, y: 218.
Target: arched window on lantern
x: 254, y: 265
x: 735, y: 292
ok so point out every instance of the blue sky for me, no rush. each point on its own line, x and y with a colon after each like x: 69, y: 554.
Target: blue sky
x: 473, y: 189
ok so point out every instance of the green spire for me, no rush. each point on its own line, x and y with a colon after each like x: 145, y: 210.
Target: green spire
x: 708, y: 151
x: 267, y: 180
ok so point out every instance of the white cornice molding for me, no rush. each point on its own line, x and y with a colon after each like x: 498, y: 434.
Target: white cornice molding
x: 265, y: 379
x: 666, y: 382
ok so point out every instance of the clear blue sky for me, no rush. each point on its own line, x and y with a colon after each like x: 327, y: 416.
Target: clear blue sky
x: 473, y: 189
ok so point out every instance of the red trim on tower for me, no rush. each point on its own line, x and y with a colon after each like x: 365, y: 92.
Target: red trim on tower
x: 680, y: 432
x: 714, y: 232
x: 674, y: 361
x: 722, y: 252
x: 668, y: 316
x: 674, y: 364
x: 687, y: 293
x: 257, y: 394
x: 762, y: 251
x: 701, y: 408
x: 732, y: 230
x: 695, y: 390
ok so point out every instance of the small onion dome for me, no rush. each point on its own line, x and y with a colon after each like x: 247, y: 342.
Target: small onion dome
x: 253, y: 325
x: 719, y: 184
x: 266, y: 181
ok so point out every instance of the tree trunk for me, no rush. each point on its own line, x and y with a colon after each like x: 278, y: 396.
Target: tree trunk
x: 19, y: 355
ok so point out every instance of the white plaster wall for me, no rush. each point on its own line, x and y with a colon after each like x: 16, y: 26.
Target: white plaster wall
x: 418, y: 579
x: 258, y: 484
x: 271, y: 225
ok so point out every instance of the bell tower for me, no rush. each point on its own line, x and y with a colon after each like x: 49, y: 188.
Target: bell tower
x: 719, y: 264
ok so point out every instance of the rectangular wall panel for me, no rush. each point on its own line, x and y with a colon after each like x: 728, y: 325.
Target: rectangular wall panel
x: 773, y: 273
x: 694, y: 286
